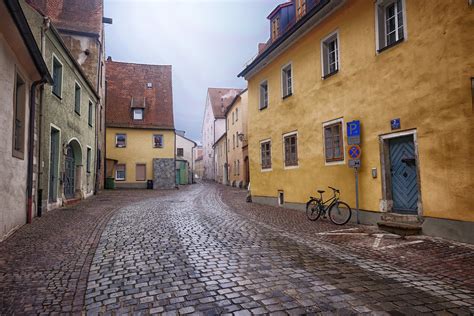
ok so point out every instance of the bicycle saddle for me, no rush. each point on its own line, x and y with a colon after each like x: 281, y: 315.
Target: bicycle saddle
x: 321, y: 191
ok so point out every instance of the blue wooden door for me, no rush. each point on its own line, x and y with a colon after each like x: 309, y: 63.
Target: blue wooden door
x: 403, y: 174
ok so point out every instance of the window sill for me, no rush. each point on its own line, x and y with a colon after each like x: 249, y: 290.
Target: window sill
x: 263, y: 108
x: 90, y: 125
x: 291, y: 167
x: 120, y: 146
x: 390, y: 46
x: 334, y: 162
x: 287, y: 96
x: 57, y: 96
x: 78, y: 113
x: 18, y: 154
x: 330, y: 74
x: 266, y: 169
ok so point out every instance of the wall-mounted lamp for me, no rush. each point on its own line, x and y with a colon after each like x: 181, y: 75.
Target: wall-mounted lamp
x: 241, y: 136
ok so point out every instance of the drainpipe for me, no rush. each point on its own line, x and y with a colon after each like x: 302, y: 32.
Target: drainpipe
x: 226, y: 151
x: 31, y: 135
x: 192, y: 163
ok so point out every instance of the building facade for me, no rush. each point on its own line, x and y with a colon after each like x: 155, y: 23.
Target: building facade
x: 371, y: 61
x: 220, y: 156
x: 140, y: 135
x: 21, y: 69
x: 198, y: 162
x: 213, y: 126
x: 81, y: 27
x: 68, y: 144
x: 237, y: 146
x: 184, y: 158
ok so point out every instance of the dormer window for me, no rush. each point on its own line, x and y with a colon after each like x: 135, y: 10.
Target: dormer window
x: 300, y: 8
x: 138, y: 114
x: 149, y: 85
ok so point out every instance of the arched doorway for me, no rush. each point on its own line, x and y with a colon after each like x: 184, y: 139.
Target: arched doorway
x: 72, y: 169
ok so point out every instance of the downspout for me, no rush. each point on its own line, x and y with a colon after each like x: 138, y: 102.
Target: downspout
x: 45, y: 27
x: 97, y: 116
x: 226, y: 151
x: 175, y: 172
x: 214, y: 167
x: 192, y: 163
x: 31, y: 135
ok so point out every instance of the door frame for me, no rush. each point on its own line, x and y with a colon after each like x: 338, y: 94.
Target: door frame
x: 58, y: 169
x: 386, y: 203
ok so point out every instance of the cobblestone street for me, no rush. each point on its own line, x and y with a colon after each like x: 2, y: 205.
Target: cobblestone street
x: 203, y: 249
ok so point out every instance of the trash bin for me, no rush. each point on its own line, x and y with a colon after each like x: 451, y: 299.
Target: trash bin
x: 149, y: 184
x: 110, y: 183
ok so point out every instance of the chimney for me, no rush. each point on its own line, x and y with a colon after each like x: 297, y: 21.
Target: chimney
x: 261, y: 47
x: 109, y: 58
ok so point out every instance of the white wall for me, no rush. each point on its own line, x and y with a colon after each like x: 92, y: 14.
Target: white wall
x: 208, y: 141
x: 14, y: 170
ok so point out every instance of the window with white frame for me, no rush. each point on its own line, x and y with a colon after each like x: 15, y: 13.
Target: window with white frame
x: 330, y: 55
x: 287, y: 81
x: 266, y: 154
x: 333, y: 142
x: 263, y: 95
x: 157, y: 141
x: 291, y: 149
x: 138, y: 114
x: 120, y: 172
x: 390, y: 22
x: 57, y: 77
x: 121, y: 140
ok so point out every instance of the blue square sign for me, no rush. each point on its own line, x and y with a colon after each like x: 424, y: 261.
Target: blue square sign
x: 353, y: 128
x: 395, y: 123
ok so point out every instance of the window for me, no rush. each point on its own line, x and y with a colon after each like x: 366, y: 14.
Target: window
x: 77, y: 98
x: 149, y: 85
x: 333, y: 145
x: 138, y: 114
x: 228, y: 145
x: 286, y: 81
x: 121, y: 140
x: 330, y: 55
x: 233, y: 118
x: 300, y: 8
x: 180, y: 152
x: 237, y: 139
x: 236, y: 114
x: 390, y: 23
x: 120, y: 172
x: 233, y: 141
x: 275, y: 27
x: 266, y: 154
x: 263, y: 95
x: 291, y: 149
x: 89, y: 157
x: 19, y: 101
x: 157, y: 141
x: 91, y: 113
x: 140, y: 172
x: 238, y: 167
x: 57, y: 77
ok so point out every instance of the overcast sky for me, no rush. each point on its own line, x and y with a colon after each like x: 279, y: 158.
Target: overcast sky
x: 207, y: 42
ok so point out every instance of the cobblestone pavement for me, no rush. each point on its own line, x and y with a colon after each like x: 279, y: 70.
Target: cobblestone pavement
x: 44, y: 266
x: 202, y: 250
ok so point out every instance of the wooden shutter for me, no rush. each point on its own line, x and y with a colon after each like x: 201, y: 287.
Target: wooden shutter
x: 141, y: 172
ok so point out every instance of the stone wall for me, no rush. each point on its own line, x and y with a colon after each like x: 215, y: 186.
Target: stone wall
x: 164, y: 176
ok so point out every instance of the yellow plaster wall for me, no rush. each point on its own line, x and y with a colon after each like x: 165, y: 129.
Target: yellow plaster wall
x: 139, y: 149
x: 425, y: 81
x: 239, y: 126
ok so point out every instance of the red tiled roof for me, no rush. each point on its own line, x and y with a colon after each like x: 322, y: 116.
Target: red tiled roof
x: 126, y: 81
x: 220, y: 99
x: 74, y: 15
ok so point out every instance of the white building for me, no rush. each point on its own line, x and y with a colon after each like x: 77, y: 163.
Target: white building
x: 213, y: 127
x: 185, y: 153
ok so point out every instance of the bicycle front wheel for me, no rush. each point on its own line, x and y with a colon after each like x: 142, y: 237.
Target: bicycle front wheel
x: 340, y: 213
x: 312, y: 210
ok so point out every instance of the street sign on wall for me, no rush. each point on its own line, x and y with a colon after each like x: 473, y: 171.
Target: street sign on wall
x: 353, y: 132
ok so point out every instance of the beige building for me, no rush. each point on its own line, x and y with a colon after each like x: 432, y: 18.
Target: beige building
x: 237, y: 152
x: 198, y: 162
x: 22, y: 71
x: 220, y: 156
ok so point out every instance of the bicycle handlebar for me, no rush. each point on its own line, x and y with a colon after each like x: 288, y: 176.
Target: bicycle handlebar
x: 334, y: 189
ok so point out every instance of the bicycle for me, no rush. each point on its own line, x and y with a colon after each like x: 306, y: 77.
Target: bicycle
x: 339, y: 212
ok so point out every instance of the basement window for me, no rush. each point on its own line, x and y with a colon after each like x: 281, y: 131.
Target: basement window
x: 281, y: 198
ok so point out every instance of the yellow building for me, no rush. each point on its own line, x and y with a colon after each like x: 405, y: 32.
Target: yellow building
x: 140, y: 133
x: 405, y: 70
x: 220, y: 156
x: 237, y: 149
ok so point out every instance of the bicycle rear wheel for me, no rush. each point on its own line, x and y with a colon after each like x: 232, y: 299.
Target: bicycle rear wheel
x: 340, y: 213
x: 312, y: 210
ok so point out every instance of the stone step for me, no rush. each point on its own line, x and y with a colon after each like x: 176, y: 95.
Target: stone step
x: 400, y: 218
x: 402, y: 229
